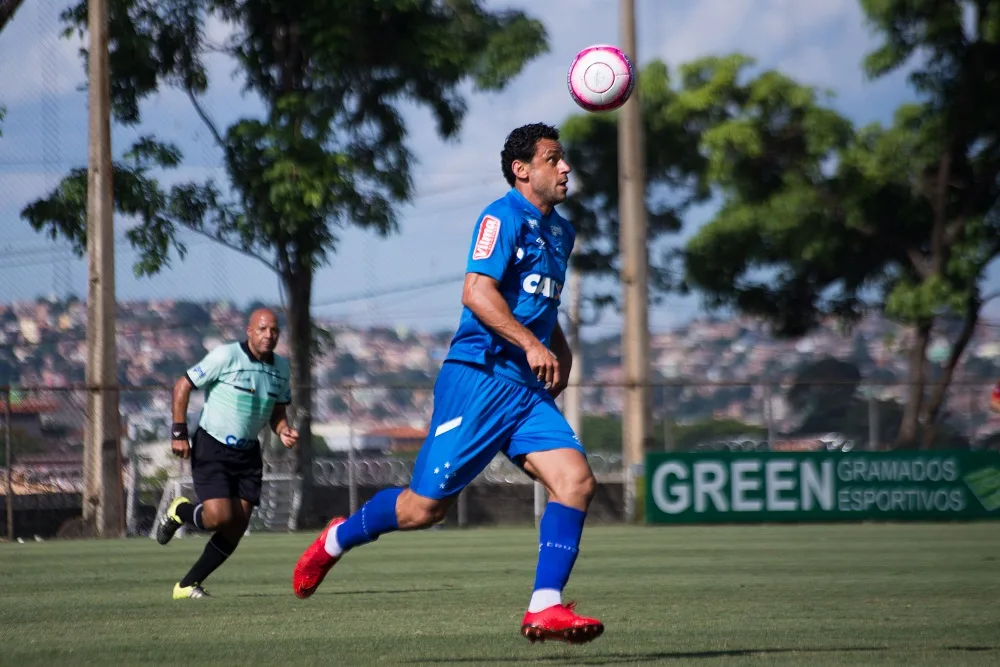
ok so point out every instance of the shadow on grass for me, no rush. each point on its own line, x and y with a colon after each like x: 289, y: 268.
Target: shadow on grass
x: 399, y: 591
x: 611, y: 658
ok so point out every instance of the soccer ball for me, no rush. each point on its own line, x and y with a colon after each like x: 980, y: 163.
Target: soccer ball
x: 601, y: 78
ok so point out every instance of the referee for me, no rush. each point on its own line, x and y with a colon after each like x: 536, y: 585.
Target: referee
x: 246, y: 386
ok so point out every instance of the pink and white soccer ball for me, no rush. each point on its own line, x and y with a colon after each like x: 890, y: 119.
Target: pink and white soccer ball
x: 601, y: 78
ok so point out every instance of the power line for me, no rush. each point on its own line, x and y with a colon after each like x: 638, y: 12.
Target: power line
x: 389, y: 291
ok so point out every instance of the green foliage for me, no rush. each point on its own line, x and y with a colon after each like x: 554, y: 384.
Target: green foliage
x: 823, y: 383
x: 601, y: 433
x: 822, y: 219
x: 674, y: 176
x: 328, y: 151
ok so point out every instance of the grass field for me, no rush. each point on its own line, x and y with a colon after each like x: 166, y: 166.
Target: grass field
x: 793, y: 595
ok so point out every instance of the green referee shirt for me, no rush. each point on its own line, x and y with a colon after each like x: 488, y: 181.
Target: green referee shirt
x: 240, y: 392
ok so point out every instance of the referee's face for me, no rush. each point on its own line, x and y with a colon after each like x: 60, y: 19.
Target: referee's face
x: 263, y: 332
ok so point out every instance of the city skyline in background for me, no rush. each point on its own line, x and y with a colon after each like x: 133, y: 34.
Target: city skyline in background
x: 412, y: 278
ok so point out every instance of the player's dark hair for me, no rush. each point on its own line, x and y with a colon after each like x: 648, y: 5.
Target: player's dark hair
x: 520, y: 145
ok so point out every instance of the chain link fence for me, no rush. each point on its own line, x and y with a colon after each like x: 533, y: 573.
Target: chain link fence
x: 366, y: 437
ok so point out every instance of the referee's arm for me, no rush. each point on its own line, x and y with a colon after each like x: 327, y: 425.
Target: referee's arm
x: 179, y: 444
x: 278, y: 419
x: 182, y: 394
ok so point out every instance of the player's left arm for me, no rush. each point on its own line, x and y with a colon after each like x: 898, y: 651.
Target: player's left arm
x: 560, y: 347
x: 279, y: 424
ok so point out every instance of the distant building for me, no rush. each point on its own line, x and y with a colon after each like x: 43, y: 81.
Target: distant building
x: 393, y: 439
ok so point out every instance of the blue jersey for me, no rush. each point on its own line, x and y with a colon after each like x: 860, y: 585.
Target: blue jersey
x: 526, y: 253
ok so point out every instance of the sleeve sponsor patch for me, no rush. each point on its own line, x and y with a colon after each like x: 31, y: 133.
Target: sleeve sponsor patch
x: 486, y: 241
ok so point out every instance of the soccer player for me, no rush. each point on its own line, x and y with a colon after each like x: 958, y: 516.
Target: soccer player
x: 246, y: 386
x: 495, y: 392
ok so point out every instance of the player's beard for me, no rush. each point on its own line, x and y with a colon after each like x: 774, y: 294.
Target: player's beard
x: 559, y: 195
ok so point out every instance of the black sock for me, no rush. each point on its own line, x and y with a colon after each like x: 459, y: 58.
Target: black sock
x: 215, y: 554
x: 190, y: 513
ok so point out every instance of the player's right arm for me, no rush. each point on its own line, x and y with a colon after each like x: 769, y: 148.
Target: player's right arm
x: 481, y: 294
x: 494, y: 246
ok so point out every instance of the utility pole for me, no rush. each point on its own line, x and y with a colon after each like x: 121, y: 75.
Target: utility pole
x: 573, y: 394
x: 633, y: 274
x: 102, y: 501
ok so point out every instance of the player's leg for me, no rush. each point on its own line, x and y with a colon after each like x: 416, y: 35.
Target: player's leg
x: 468, y: 428
x: 229, y: 483
x: 208, y: 469
x: 549, y: 451
x: 229, y: 519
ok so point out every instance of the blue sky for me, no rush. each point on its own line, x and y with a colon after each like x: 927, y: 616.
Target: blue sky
x: 820, y: 42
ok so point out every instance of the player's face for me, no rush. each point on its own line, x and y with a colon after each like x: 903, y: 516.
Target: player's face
x: 549, y: 173
x: 263, y: 332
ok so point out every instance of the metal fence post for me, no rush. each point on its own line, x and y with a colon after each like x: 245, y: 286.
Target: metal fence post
x: 669, y: 439
x: 768, y: 416
x: 463, y: 509
x: 131, y: 491
x: 352, y: 477
x: 873, y: 425
x: 9, y: 452
x: 539, y: 503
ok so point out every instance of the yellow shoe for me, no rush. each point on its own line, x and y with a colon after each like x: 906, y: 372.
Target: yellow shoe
x: 170, y: 522
x: 194, y: 591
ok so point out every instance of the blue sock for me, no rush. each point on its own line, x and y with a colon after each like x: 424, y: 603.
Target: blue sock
x: 376, y: 517
x: 558, y: 544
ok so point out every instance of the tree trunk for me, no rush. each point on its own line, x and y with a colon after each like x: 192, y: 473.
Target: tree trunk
x: 907, y: 437
x: 932, y: 412
x: 298, y: 286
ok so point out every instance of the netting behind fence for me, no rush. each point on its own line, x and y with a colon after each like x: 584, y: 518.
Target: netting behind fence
x: 366, y: 437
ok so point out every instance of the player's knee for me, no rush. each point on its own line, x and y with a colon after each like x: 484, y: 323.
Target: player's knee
x: 584, y: 486
x: 216, y: 516
x: 575, y: 488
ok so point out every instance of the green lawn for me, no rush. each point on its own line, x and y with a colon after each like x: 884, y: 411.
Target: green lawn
x: 784, y: 595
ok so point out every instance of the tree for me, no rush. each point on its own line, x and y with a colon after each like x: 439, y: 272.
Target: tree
x: 7, y: 10
x: 824, y: 384
x: 821, y: 219
x: 329, y: 150
x: 191, y: 314
x: 674, y: 179
x: 955, y: 45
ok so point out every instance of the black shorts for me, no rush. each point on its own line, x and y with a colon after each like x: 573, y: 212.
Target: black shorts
x: 224, y: 472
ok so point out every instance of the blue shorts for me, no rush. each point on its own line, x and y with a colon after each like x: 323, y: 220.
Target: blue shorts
x: 477, y: 415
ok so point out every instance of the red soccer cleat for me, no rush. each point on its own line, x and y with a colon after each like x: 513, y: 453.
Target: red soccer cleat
x: 560, y: 623
x: 314, y: 563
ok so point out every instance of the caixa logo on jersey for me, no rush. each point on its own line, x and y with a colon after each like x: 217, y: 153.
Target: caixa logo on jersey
x: 538, y: 284
x: 240, y: 443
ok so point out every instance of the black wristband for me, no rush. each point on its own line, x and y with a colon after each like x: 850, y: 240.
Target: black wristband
x: 179, y: 431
